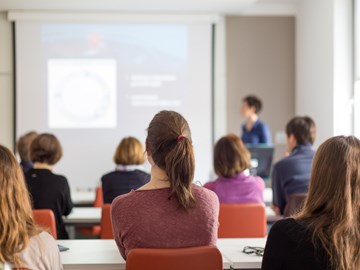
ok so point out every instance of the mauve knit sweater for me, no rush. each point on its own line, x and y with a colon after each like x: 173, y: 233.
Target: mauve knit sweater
x: 153, y: 219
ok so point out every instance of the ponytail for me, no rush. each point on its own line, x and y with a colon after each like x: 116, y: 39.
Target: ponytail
x: 169, y: 144
x: 180, y: 167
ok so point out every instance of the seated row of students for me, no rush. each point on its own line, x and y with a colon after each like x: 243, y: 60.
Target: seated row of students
x: 231, y: 159
x: 170, y: 211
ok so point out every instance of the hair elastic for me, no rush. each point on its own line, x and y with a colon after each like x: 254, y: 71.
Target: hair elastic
x: 180, y: 137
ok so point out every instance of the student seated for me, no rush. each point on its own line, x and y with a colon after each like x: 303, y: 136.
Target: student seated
x: 23, y: 148
x: 326, y: 232
x: 253, y: 130
x: 128, y: 175
x: 49, y: 190
x: 231, y: 159
x: 22, y: 243
x: 291, y: 174
x: 169, y: 211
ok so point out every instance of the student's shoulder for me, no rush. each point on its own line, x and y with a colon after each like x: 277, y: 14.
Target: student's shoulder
x: 125, y: 199
x: 289, y: 228
x: 204, y: 194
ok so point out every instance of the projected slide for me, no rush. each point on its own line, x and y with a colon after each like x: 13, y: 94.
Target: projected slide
x: 81, y: 93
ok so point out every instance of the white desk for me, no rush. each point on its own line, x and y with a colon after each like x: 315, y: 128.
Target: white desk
x: 83, y: 216
x: 80, y: 198
x: 91, y: 254
x: 268, y: 196
x: 97, y: 255
x: 231, y: 248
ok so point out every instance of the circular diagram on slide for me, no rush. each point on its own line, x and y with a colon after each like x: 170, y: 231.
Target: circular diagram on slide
x: 83, y: 97
x: 82, y: 93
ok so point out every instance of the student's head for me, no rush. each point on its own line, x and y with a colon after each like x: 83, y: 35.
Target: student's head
x: 301, y: 130
x: 333, y: 202
x: 230, y: 156
x: 16, y: 222
x: 23, y: 145
x: 251, y: 105
x: 45, y: 148
x: 129, y: 152
x: 169, y: 146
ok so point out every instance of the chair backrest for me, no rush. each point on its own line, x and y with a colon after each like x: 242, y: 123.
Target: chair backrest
x: 99, y: 200
x: 294, y: 204
x: 106, y: 225
x: 193, y: 258
x: 45, y: 218
x: 244, y: 220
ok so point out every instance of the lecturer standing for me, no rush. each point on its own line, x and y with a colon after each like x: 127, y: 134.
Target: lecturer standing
x: 253, y: 130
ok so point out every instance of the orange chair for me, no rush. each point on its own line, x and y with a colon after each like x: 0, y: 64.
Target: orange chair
x: 99, y: 202
x: 193, y: 258
x: 106, y: 225
x: 45, y: 218
x: 246, y: 220
x: 99, y: 199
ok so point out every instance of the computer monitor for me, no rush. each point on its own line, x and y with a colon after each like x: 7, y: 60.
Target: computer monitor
x: 261, y: 159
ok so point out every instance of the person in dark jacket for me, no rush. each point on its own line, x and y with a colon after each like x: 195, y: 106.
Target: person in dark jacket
x: 23, y: 149
x: 128, y: 175
x: 291, y: 174
x: 49, y: 190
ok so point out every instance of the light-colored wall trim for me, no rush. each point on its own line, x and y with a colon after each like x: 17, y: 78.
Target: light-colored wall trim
x: 6, y: 83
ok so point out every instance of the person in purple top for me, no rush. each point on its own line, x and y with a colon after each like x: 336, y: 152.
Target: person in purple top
x: 253, y: 130
x: 231, y: 158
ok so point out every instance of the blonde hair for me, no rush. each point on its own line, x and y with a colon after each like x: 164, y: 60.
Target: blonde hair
x: 16, y: 222
x: 331, y: 209
x: 230, y: 156
x: 129, y: 152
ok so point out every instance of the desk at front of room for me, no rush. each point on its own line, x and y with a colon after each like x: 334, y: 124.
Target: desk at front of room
x: 104, y: 255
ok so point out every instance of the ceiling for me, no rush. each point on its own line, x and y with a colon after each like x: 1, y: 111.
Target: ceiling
x: 245, y: 7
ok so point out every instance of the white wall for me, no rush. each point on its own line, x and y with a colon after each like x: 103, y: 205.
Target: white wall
x: 323, y: 64
x: 6, y: 83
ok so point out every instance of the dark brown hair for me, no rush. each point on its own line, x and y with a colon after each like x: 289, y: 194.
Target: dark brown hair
x: 173, y: 154
x: 253, y: 101
x: 230, y: 156
x: 23, y: 145
x: 45, y: 148
x: 331, y: 208
x: 129, y: 152
x: 303, y: 128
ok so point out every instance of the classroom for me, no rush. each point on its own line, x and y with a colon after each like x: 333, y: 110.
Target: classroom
x: 93, y: 78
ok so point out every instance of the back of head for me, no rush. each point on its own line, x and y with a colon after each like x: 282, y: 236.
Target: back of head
x: 16, y: 222
x: 303, y: 129
x: 45, y: 148
x: 333, y: 202
x: 129, y: 152
x: 169, y: 144
x: 254, y: 102
x: 230, y: 156
x: 23, y: 145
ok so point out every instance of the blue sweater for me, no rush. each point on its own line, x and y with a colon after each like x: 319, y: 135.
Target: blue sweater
x: 291, y: 175
x: 259, y: 133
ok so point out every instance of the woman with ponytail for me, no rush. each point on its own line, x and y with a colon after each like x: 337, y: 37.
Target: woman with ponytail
x: 22, y: 243
x: 169, y: 211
